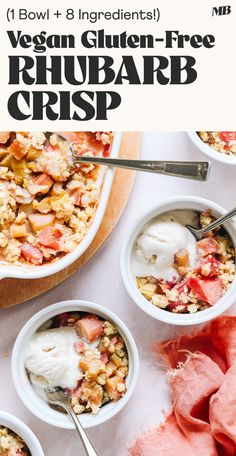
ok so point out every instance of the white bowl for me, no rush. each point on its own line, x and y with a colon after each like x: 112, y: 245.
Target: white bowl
x: 36, y: 272
x: 24, y: 388
x: 182, y: 202
x: 17, y: 426
x: 207, y: 150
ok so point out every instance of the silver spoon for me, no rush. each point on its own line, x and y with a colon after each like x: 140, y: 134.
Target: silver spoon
x: 188, y: 170
x: 197, y: 170
x: 198, y: 233
x: 57, y: 397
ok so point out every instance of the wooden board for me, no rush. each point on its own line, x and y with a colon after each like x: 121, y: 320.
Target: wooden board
x: 16, y: 291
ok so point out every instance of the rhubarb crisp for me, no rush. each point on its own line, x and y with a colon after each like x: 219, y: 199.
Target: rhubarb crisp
x: 47, y: 204
x: 221, y: 141
x: 11, y: 444
x: 82, y: 354
x: 175, y: 272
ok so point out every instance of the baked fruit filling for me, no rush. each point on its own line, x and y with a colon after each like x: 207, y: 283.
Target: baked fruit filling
x: 196, y: 286
x: 83, y: 354
x: 221, y: 141
x: 46, y: 204
x: 11, y: 444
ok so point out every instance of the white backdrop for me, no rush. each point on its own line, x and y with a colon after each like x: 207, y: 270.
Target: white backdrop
x: 91, y: 282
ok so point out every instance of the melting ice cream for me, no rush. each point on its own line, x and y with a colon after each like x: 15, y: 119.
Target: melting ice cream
x: 52, y: 358
x: 161, y: 239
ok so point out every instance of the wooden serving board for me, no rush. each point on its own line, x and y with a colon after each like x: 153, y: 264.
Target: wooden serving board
x: 16, y: 291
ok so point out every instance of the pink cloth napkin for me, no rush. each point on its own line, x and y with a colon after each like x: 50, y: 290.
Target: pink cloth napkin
x: 203, y: 389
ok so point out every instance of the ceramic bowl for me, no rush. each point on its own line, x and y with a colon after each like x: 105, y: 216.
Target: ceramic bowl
x: 34, y: 402
x: 184, y: 202
x: 17, y: 426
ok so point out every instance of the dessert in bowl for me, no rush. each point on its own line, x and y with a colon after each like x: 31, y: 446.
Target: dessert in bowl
x: 83, y: 349
x: 172, y: 276
x: 218, y: 145
x: 11, y: 443
x: 16, y: 439
x: 50, y: 210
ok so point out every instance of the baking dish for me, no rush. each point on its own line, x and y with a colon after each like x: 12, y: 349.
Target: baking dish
x: 36, y: 272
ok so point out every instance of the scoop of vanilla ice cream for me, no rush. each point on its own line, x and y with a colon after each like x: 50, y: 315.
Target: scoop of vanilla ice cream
x: 51, y: 358
x: 161, y: 239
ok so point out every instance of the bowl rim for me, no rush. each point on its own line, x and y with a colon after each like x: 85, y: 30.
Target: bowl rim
x: 30, y: 398
x: 207, y: 150
x: 37, y: 272
x: 20, y: 428
x: 128, y: 279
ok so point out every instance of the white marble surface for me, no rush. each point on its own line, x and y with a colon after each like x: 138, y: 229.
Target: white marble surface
x: 100, y: 281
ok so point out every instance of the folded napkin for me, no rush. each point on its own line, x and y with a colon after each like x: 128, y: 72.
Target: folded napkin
x: 202, y: 378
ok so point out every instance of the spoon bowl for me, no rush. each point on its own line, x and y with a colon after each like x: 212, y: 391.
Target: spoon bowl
x: 58, y: 398
x: 195, y: 232
x: 200, y: 232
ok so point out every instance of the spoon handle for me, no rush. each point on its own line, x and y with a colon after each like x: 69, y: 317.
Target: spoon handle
x: 219, y: 221
x: 86, y: 443
x: 189, y: 170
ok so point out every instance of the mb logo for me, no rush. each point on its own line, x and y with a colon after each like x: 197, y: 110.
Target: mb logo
x: 221, y: 10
